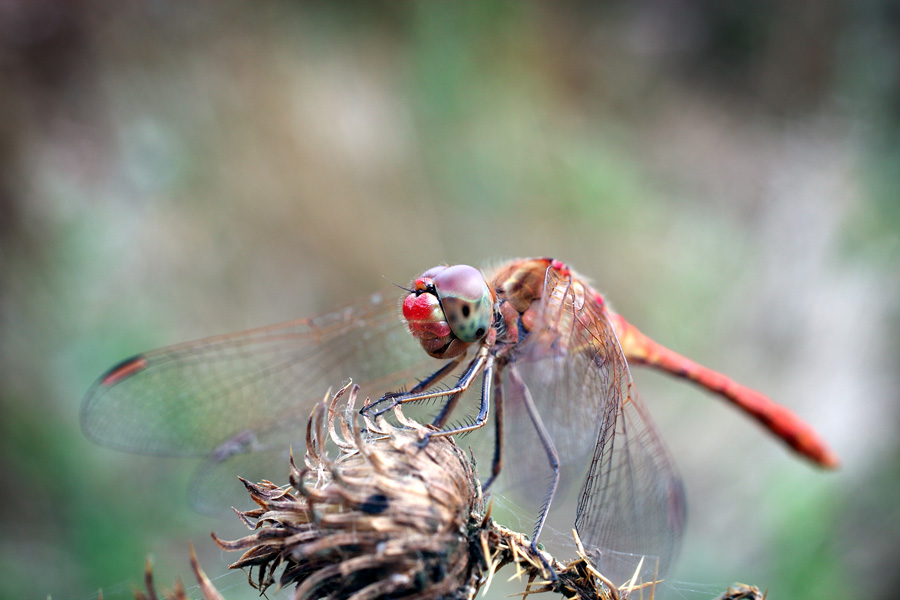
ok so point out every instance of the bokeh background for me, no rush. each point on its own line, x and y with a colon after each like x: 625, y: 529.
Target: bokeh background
x: 726, y: 172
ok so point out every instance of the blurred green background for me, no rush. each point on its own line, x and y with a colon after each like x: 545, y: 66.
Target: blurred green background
x: 726, y: 172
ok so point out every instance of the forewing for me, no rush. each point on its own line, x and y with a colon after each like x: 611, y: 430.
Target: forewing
x: 631, y: 505
x: 251, y: 390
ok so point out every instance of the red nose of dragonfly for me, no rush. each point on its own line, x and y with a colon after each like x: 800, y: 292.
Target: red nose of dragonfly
x: 425, y: 320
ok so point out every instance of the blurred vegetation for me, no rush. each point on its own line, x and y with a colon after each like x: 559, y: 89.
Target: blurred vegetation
x: 727, y: 173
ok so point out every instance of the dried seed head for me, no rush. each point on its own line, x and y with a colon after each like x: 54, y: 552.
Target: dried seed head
x: 385, y: 518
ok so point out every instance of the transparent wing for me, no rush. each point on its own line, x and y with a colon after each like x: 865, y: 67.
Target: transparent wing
x: 631, y: 505
x: 215, y: 487
x: 248, y: 391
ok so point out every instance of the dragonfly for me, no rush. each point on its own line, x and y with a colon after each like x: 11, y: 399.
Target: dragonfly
x: 545, y: 349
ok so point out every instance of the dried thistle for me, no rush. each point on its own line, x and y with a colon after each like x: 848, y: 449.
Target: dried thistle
x: 385, y: 518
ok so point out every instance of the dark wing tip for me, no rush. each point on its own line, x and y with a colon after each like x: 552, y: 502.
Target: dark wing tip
x: 116, y: 374
x: 123, y: 370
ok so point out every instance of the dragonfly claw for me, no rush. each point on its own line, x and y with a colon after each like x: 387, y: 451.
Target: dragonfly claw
x: 554, y: 578
x: 391, y: 399
x: 424, y: 441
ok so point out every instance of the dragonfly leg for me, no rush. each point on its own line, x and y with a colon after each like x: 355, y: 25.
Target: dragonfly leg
x: 436, y: 376
x: 552, y: 457
x: 441, y: 419
x: 480, y: 420
x: 497, y: 462
x: 452, y: 394
x: 392, y: 399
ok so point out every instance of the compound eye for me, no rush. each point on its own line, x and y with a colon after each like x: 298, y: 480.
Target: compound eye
x: 466, y: 300
x: 433, y: 271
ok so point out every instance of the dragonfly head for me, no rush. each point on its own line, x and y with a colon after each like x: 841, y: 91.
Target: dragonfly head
x: 448, y: 309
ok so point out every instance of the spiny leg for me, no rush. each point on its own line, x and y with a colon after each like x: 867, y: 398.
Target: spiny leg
x: 552, y: 457
x: 441, y: 419
x: 452, y: 395
x: 480, y: 420
x: 497, y: 462
x: 436, y: 376
x: 392, y: 399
